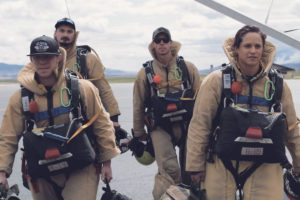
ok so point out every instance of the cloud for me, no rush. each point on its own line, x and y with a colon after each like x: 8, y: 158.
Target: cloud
x: 120, y: 30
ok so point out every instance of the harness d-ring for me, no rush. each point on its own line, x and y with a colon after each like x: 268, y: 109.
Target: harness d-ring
x: 178, y: 74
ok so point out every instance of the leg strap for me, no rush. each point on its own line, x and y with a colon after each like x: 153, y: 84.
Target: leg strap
x: 57, y: 189
x: 240, y: 178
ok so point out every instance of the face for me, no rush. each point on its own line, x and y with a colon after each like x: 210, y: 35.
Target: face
x: 45, y: 64
x: 250, y: 51
x: 162, y: 45
x: 65, y: 36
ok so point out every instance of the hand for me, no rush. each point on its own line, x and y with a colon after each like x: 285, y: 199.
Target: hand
x: 106, y: 172
x: 198, y: 177
x: 117, y: 126
x: 3, y: 179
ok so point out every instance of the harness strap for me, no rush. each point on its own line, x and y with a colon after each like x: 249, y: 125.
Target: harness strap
x: 150, y: 84
x: 84, y: 126
x: 277, y: 79
x: 228, y: 76
x: 54, y: 112
x: 149, y: 72
x: 72, y: 83
x: 260, y: 101
x: 27, y: 96
x: 185, y: 74
x: 170, y: 83
x: 240, y: 178
x: 57, y: 189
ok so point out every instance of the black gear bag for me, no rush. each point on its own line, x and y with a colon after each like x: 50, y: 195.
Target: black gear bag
x: 250, y: 135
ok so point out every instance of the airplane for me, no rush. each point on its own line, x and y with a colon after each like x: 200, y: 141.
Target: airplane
x: 246, y: 20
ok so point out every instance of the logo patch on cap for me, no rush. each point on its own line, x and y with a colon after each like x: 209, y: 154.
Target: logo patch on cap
x: 41, y: 46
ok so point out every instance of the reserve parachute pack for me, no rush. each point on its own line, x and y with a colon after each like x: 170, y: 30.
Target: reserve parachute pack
x: 247, y: 134
x: 171, y: 107
x: 60, y: 148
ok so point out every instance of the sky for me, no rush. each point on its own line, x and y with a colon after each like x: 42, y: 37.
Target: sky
x: 120, y: 30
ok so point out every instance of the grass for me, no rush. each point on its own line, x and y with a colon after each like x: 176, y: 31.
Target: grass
x: 120, y: 79
x: 8, y: 81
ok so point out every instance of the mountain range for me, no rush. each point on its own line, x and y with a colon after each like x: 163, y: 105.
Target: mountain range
x: 10, y: 71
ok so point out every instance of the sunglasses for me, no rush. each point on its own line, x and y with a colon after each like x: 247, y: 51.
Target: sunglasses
x: 158, y: 40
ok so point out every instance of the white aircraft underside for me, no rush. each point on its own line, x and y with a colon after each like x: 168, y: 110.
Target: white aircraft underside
x: 246, y: 20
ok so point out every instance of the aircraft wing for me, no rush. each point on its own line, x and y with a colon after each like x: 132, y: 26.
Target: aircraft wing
x: 246, y: 20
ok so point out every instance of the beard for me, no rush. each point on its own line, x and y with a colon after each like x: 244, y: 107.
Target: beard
x: 66, y: 43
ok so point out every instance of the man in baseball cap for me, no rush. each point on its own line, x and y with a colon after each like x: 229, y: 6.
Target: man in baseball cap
x: 45, y: 56
x: 86, y: 62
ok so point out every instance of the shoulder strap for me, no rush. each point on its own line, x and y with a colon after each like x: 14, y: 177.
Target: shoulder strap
x: 276, y: 77
x: 150, y: 84
x: 27, y: 96
x: 149, y: 72
x: 185, y: 74
x: 72, y: 84
x: 81, y: 52
x: 228, y: 77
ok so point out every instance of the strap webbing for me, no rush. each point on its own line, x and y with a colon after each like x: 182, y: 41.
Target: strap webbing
x: 57, y: 189
x: 27, y: 96
x: 185, y: 74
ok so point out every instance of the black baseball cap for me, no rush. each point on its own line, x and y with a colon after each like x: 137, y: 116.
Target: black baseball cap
x: 44, y: 45
x: 163, y: 31
x: 65, y: 21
